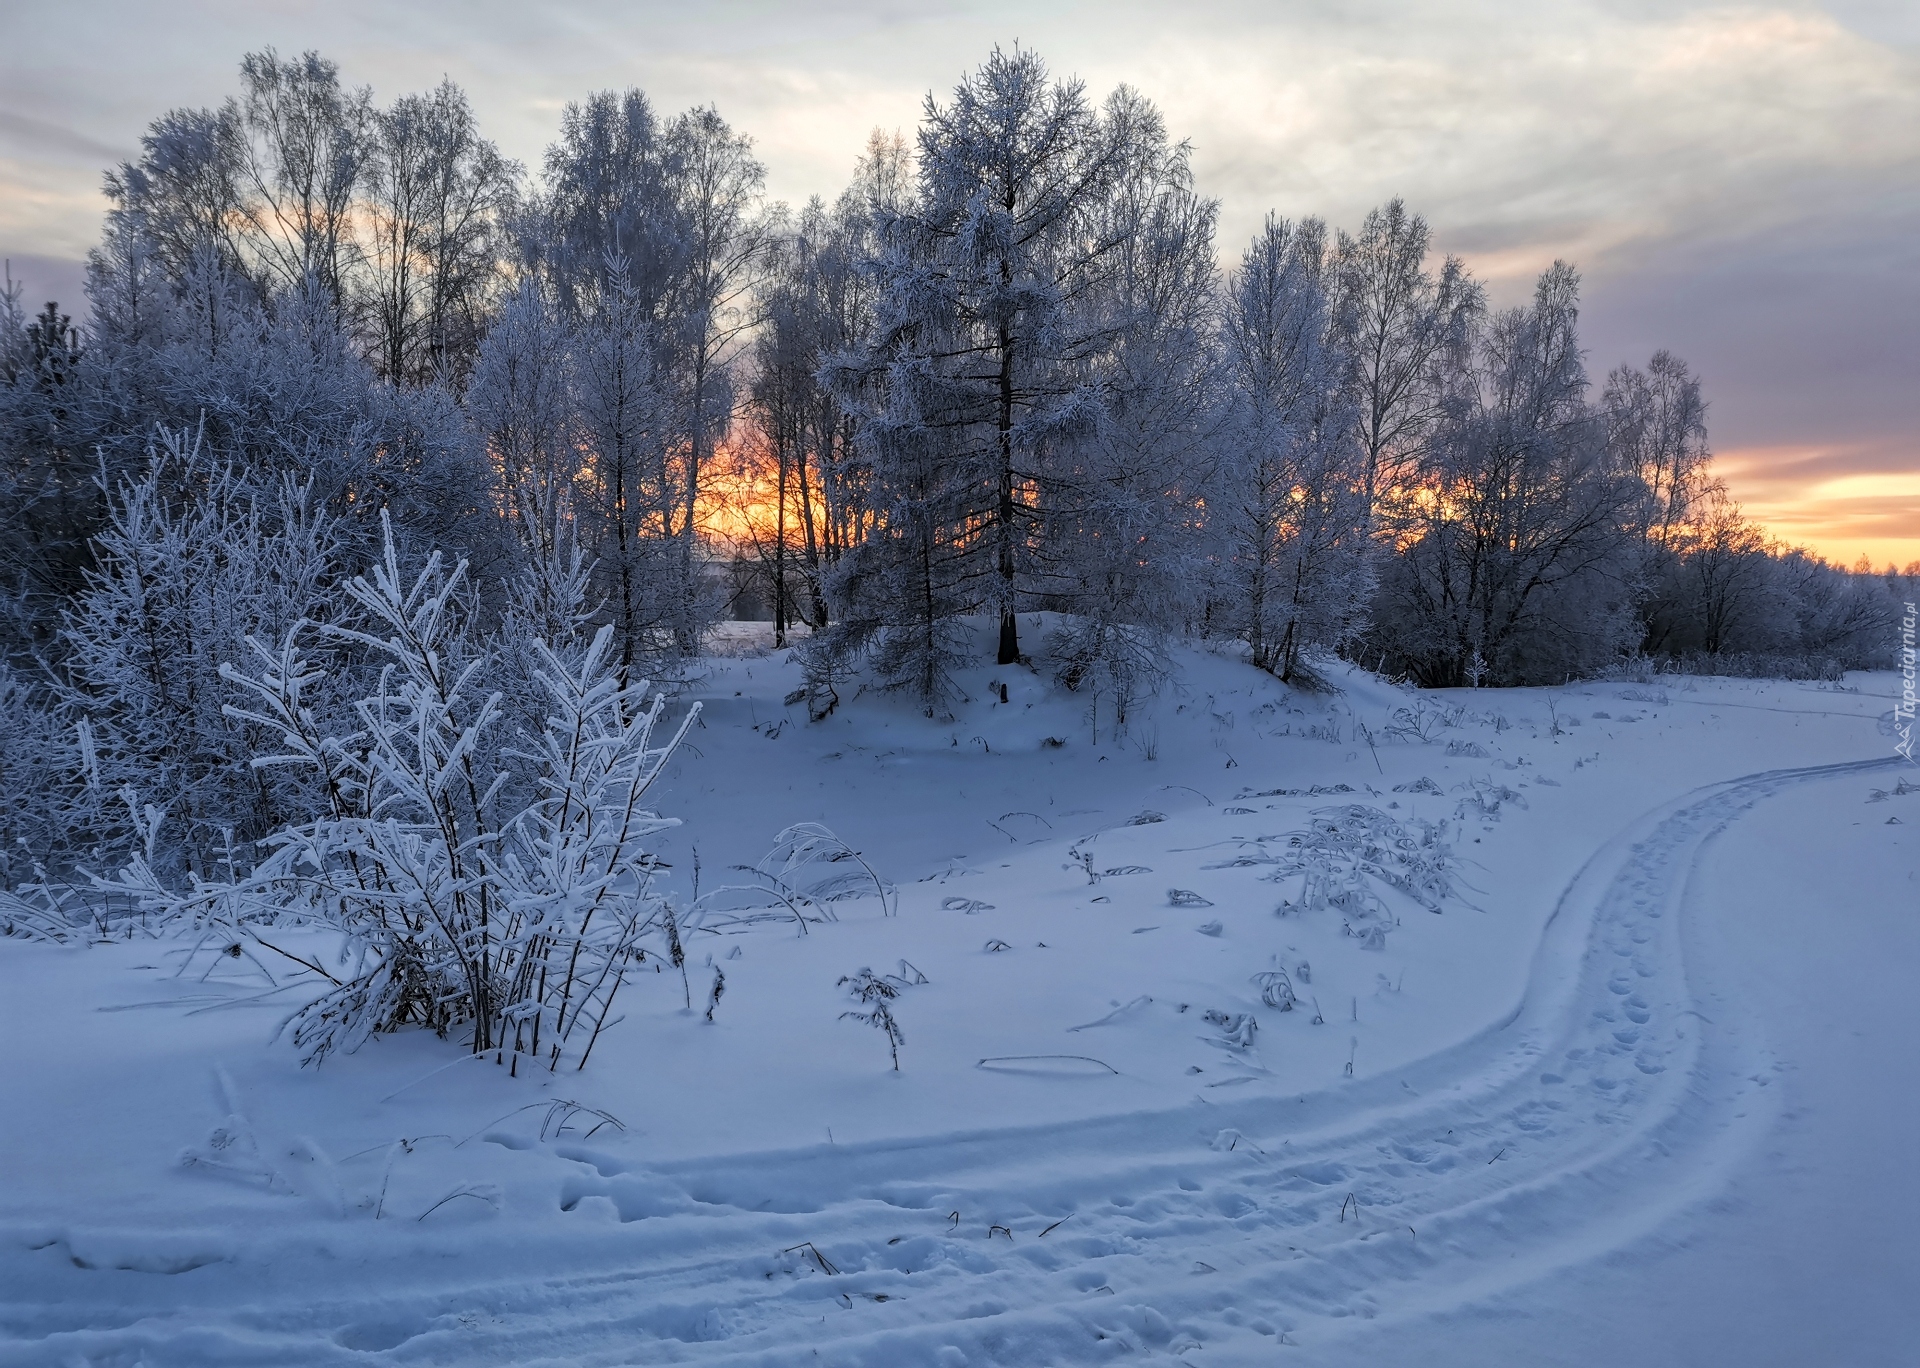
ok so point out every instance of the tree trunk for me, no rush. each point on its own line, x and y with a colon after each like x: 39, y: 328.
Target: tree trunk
x: 1009, y: 624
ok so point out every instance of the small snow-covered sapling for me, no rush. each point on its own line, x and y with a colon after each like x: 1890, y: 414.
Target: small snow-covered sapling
x: 677, y: 952
x: 874, y: 995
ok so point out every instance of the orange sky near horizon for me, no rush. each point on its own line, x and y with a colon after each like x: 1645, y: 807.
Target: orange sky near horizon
x: 1840, y: 515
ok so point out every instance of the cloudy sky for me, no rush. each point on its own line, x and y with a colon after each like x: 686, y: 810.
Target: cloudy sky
x: 1740, y: 184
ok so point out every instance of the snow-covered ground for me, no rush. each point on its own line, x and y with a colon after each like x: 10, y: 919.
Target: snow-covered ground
x: 1641, y: 1090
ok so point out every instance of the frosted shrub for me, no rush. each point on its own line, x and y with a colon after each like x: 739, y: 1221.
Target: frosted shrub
x: 195, y: 556
x: 522, y: 923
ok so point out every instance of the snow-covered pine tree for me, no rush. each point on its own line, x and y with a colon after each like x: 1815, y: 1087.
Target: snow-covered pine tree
x: 989, y: 345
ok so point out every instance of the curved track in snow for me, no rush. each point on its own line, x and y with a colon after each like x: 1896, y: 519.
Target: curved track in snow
x: 1607, y: 1102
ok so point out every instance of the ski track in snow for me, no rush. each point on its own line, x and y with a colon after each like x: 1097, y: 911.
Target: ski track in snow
x: 1607, y: 1103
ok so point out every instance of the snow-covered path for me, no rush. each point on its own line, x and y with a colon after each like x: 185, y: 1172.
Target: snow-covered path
x: 1806, y: 1254
x: 1609, y: 1102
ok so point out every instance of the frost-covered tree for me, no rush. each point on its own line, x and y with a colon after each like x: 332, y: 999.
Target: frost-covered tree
x: 49, y: 498
x: 1519, y: 566
x: 40, y: 764
x: 521, y: 404
x: 817, y: 302
x: 638, y: 476
x: 1657, y: 429
x: 659, y: 226
x: 1290, y: 499
x: 181, y: 199
x: 299, y: 144
x: 1401, y: 321
x: 608, y: 208
x: 718, y: 187
x: 996, y: 349
x: 437, y: 198
x: 1118, y: 543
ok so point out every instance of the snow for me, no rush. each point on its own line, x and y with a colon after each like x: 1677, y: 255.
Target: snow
x: 1652, y: 1053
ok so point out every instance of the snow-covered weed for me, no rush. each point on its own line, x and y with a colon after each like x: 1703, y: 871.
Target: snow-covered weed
x: 1237, y: 1029
x: 808, y: 871
x: 1484, y: 800
x: 1347, y: 853
x: 1276, y: 989
x: 34, y: 915
x: 1422, y: 720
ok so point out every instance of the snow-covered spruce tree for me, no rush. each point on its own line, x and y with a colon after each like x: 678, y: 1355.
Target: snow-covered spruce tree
x: 49, y: 495
x: 453, y: 908
x: 39, y: 764
x: 1289, y: 498
x: 988, y: 344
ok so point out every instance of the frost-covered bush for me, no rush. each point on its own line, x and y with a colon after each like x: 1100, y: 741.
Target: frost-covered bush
x: 36, y: 758
x: 453, y: 906
x: 196, y: 556
x: 1122, y: 662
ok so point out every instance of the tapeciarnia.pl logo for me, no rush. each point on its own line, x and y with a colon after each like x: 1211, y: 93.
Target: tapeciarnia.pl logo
x: 1903, y: 710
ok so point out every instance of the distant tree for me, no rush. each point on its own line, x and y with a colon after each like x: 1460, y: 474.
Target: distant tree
x: 636, y: 475
x: 1401, y: 324
x: 49, y: 498
x: 662, y: 224
x: 299, y: 149
x: 438, y: 197
x: 1657, y: 429
x: 1519, y: 563
x: 1290, y: 501
x: 817, y: 302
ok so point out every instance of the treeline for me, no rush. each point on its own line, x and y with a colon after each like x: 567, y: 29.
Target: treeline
x: 1002, y: 372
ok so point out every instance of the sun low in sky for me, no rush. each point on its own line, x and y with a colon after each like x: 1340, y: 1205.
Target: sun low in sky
x: 1739, y: 184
